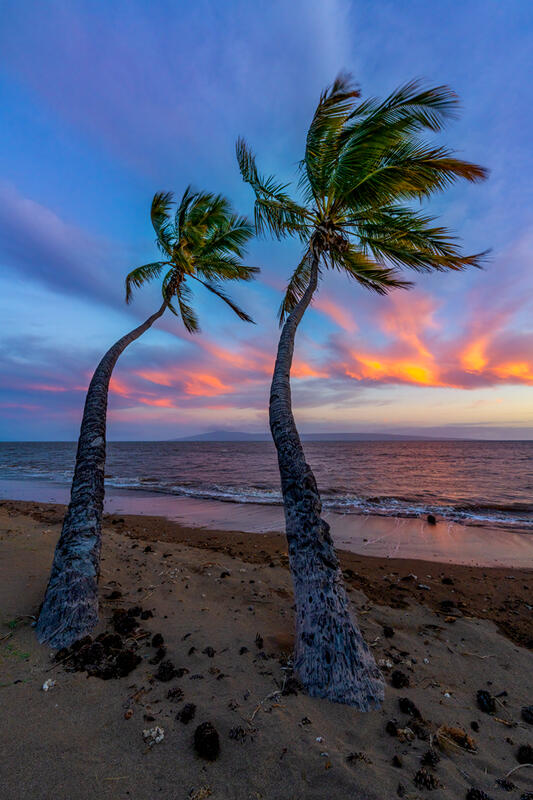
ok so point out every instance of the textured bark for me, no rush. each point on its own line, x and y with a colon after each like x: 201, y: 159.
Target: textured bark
x: 70, y: 607
x: 331, y: 657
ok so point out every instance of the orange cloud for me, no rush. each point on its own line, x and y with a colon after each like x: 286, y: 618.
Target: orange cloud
x: 336, y: 313
x: 301, y: 369
x: 473, y: 358
x: 117, y: 386
x: 206, y: 385
x: 154, y: 376
x: 159, y: 402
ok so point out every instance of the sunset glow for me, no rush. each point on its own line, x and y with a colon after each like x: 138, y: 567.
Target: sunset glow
x: 453, y: 354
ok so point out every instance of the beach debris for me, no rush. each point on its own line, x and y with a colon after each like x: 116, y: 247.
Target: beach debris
x: 527, y: 714
x: 128, y: 714
x: 485, y: 701
x: 430, y: 758
x: 187, y: 713
x: 319, y: 739
x: 399, y: 680
x: 48, y: 684
x: 123, y: 623
x: 388, y: 632
x: 477, y: 794
x: 157, y: 640
x: 209, y: 652
x: 206, y: 741
x: 153, y: 736
x: 385, y: 663
x: 305, y: 721
x: 166, y: 671
x: 505, y: 784
x: 159, y: 656
x: 405, y: 734
x: 353, y: 758
x: 424, y: 586
x: 408, y: 707
x: 238, y: 734
x: 421, y: 729
x: 107, y: 657
x: 175, y: 694
x: 524, y: 754
x: 449, y: 737
x: 424, y: 779
x: 200, y: 794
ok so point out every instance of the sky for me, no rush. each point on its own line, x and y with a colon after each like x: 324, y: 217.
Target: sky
x: 102, y: 104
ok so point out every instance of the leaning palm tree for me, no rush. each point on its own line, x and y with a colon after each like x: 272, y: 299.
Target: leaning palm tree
x: 204, y: 241
x: 365, y: 164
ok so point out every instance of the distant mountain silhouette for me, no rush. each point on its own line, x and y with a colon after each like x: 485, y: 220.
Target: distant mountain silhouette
x: 240, y: 436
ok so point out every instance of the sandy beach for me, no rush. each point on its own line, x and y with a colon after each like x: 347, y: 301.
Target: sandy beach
x: 222, y: 602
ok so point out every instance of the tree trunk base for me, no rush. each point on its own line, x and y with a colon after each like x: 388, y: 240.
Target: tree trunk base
x: 331, y: 659
x: 70, y: 609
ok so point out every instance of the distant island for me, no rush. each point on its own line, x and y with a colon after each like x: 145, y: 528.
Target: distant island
x: 240, y: 436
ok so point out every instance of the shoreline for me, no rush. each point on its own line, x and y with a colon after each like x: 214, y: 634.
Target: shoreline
x: 380, y: 536
x: 450, y: 590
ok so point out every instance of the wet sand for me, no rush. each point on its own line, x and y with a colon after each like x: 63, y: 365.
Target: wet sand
x: 380, y: 536
x: 211, y: 593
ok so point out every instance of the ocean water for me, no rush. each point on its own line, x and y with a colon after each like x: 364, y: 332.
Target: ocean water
x: 474, y: 483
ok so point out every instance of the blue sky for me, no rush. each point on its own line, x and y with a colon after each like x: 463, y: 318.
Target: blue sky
x: 104, y: 103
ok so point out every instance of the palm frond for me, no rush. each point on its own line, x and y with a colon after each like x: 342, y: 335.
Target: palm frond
x: 335, y: 107
x: 296, y: 287
x: 274, y: 209
x: 368, y: 273
x: 219, y: 292
x: 224, y: 268
x: 142, y: 275
x: 231, y: 236
x: 161, y: 221
x: 188, y: 315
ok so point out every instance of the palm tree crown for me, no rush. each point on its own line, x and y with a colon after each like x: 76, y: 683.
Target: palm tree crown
x: 204, y: 240
x: 364, y: 164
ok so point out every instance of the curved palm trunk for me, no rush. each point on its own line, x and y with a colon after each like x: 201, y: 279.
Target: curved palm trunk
x: 331, y: 657
x: 70, y: 607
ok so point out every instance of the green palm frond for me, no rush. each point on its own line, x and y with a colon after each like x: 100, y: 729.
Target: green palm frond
x: 407, y: 238
x: 322, y: 146
x: 219, y: 292
x: 188, y: 315
x: 368, y: 273
x: 161, y: 221
x: 142, y: 275
x: 274, y: 209
x: 224, y: 268
x: 231, y: 236
x: 296, y: 287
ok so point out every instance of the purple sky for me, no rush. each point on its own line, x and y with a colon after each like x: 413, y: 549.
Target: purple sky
x: 104, y: 103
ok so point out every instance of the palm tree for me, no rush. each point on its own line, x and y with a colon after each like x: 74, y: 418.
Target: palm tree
x: 364, y: 164
x: 204, y: 241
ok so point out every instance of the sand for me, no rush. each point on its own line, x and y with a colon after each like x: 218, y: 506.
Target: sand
x: 218, y: 590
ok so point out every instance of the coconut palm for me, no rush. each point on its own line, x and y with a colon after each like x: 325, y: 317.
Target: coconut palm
x: 365, y: 165
x: 204, y: 242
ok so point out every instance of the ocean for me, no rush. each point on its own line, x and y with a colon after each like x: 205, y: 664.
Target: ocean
x: 468, y: 482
